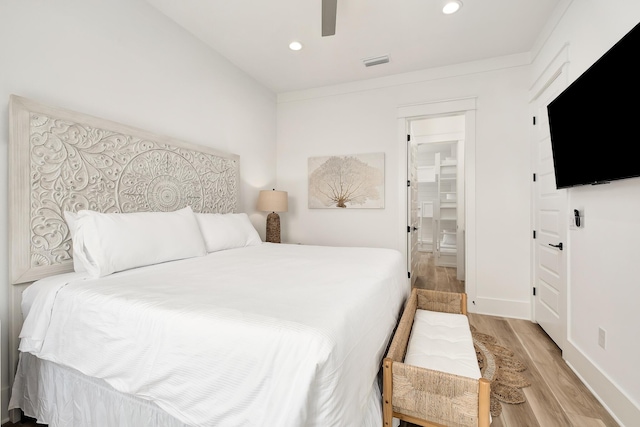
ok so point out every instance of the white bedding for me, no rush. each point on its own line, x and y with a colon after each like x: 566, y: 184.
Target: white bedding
x: 285, y: 335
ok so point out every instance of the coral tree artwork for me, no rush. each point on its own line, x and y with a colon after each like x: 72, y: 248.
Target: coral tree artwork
x: 355, y: 181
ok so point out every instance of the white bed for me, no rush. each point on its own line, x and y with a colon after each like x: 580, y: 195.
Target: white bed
x: 140, y: 298
x: 270, y: 334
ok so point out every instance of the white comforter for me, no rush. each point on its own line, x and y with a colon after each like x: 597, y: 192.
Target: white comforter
x: 269, y: 335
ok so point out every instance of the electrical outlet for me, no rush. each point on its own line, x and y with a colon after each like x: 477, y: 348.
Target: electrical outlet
x: 602, y: 338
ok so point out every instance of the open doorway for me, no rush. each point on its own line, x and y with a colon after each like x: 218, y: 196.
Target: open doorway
x: 438, y: 199
x: 408, y: 219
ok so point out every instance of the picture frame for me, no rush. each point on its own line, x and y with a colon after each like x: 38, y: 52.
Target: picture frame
x: 347, y: 181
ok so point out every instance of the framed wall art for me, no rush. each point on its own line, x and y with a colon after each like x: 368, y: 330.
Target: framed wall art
x: 352, y: 181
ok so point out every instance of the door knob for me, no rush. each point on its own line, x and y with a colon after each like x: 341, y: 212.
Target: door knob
x: 415, y: 228
x: 559, y: 245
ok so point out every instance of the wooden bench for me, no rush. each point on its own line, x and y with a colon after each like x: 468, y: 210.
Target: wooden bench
x: 429, y: 397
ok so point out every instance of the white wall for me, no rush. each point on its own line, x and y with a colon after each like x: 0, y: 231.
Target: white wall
x: 124, y: 61
x: 604, y: 272
x: 362, y: 118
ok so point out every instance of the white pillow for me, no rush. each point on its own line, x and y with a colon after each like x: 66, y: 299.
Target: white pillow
x: 227, y: 231
x: 110, y: 242
x: 70, y: 218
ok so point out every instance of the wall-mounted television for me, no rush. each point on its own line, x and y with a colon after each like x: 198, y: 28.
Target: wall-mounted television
x: 595, y: 121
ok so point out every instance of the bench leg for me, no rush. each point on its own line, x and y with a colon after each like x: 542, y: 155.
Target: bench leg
x: 387, y: 388
x: 484, y: 396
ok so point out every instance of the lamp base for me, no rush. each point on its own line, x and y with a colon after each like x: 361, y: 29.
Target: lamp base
x: 273, y: 228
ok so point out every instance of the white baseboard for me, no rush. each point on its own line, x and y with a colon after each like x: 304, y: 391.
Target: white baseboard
x: 619, y: 405
x: 500, y: 307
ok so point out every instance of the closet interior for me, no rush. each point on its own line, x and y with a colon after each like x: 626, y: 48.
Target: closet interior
x: 439, y: 162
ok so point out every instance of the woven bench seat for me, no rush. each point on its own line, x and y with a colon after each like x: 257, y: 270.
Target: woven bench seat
x: 442, y: 342
x: 430, y: 373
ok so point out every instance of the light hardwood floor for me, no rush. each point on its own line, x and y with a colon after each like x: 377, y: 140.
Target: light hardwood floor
x: 556, y: 397
x: 436, y: 278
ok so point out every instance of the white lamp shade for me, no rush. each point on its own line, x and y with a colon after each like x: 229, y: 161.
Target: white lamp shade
x: 273, y: 201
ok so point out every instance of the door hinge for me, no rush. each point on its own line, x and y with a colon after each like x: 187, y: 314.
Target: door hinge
x: 534, y: 291
x: 534, y: 120
x: 408, y: 137
x: 409, y: 274
x: 534, y: 234
x: 534, y: 177
x: 408, y: 183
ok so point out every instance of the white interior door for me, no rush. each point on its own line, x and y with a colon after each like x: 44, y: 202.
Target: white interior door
x: 413, y: 220
x: 550, y: 217
x: 460, y: 263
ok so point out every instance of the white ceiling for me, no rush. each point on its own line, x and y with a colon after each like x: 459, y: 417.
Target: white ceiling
x: 255, y: 34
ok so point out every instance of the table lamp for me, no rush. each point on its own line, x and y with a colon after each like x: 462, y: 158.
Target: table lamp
x: 273, y: 201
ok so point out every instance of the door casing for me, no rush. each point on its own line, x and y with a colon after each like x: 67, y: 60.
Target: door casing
x: 466, y: 106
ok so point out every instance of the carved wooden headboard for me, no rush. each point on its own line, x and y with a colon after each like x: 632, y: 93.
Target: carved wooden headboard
x: 62, y: 160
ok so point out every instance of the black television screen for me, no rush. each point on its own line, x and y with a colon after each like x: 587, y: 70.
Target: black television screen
x: 594, y: 122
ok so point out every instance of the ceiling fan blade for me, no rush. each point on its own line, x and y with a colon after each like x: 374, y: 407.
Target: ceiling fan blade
x: 329, y: 8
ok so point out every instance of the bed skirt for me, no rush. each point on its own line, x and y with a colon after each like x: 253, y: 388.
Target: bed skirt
x: 63, y: 397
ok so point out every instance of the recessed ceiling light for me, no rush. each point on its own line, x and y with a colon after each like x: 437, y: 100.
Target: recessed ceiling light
x: 451, y: 6
x: 295, y: 45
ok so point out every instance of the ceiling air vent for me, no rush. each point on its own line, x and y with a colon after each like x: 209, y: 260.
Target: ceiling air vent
x: 376, y: 60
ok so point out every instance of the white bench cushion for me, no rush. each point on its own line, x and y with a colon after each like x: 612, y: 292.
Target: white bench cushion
x: 442, y: 342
